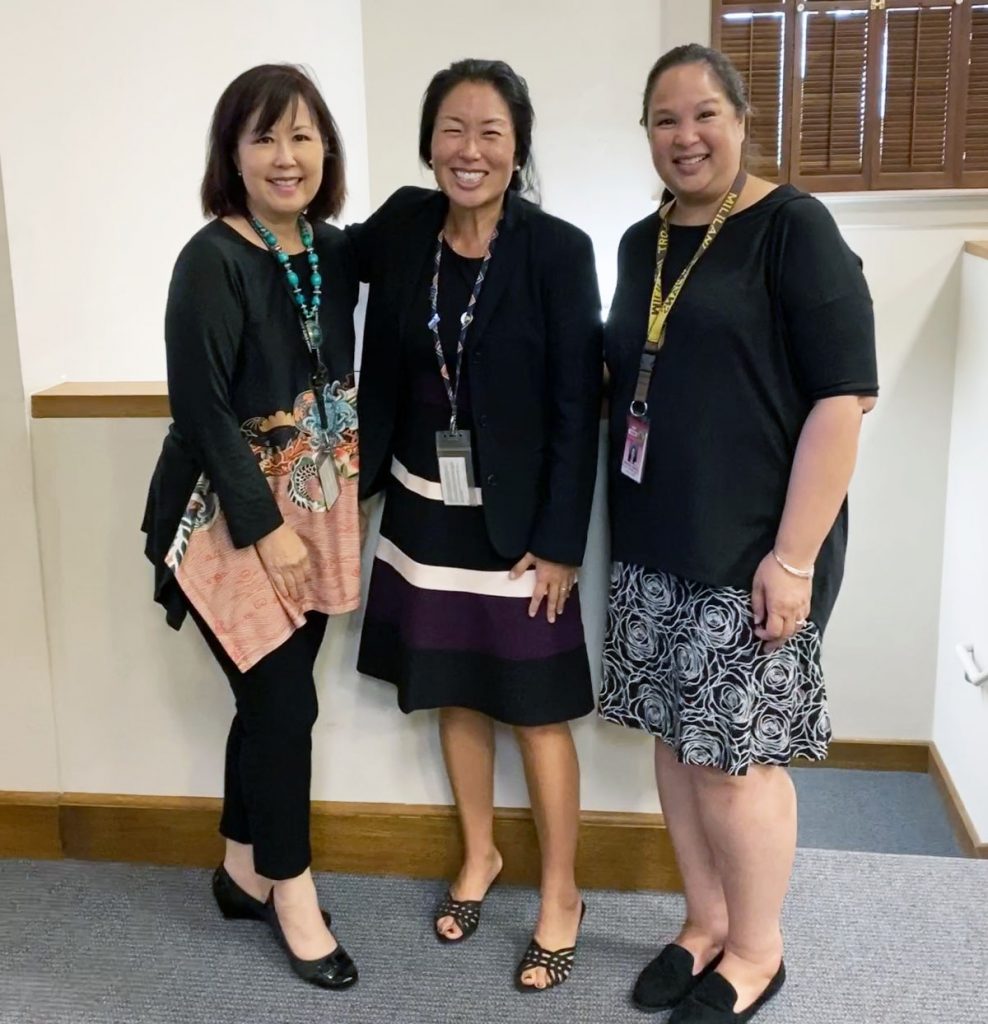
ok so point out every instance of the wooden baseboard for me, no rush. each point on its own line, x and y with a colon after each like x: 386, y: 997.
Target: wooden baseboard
x: 29, y: 825
x: 964, y: 830
x: 142, y: 829
x: 875, y: 756
x: 617, y: 850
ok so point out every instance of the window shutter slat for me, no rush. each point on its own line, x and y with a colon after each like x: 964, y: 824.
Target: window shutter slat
x: 917, y: 55
x: 976, y: 140
x: 832, y: 93
x: 753, y: 42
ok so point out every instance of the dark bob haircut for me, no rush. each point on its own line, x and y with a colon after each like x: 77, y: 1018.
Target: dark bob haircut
x: 513, y: 90
x: 258, y: 98
x: 720, y: 66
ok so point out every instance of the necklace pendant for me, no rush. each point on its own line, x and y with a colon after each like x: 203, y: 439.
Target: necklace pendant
x: 313, y: 333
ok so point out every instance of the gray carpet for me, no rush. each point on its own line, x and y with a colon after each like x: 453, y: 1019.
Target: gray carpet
x: 870, y: 939
x: 881, y: 812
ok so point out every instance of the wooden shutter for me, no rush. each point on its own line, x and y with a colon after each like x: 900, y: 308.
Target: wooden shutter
x: 975, y: 159
x: 753, y: 36
x: 875, y: 94
x: 830, y: 96
x: 919, y: 42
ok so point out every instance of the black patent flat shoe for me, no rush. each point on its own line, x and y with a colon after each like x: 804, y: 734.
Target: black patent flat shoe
x: 712, y: 1001
x: 336, y: 970
x: 237, y: 905
x: 668, y: 979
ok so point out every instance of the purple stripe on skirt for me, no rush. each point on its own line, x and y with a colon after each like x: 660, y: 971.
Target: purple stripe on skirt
x: 446, y: 620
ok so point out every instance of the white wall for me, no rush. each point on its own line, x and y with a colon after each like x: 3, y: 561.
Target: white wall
x: 104, y: 110
x: 585, y: 65
x: 880, y: 653
x: 145, y: 710
x: 114, y: 662
x: 960, y: 728
x: 586, y: 88
x: 27, y: 724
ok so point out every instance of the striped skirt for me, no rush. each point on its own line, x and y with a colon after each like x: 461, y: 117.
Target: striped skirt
x: 447, y: 626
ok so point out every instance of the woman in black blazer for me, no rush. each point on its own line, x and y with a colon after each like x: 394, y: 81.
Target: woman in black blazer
x: 479, y: 402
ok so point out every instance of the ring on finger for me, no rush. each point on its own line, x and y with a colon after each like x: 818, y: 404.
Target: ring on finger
x: 802, y: 623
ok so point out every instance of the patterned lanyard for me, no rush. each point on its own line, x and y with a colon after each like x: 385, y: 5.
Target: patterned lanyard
x: 453, y: 387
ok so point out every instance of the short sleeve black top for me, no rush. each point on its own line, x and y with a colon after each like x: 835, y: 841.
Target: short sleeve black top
x: 774, y: 317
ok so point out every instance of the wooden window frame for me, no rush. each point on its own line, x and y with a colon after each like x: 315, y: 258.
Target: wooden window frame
x: 872, y: 177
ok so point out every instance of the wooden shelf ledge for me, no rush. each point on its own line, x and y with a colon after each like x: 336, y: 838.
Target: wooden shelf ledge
x: 977, y: 249
x: 102, y: 399
x: 146, y: 399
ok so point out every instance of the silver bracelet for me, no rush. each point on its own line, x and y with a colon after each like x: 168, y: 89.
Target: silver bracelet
x: 803, y: 574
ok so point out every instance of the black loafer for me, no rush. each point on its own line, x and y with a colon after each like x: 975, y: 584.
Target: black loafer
x: 237, y: 905
x: 335, y: 970
x: 712, y: 1001
x: 668, y: 979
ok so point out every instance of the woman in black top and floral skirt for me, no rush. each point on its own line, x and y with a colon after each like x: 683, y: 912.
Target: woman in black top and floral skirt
x: 734, y: 433
x: 480, y: 390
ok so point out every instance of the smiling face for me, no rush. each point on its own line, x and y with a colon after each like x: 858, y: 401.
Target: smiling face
x: 695, y: 133
x: 473, y: 146
x: 282, y: 165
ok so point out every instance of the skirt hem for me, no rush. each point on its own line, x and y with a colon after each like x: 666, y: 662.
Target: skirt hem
x: 802, y: 752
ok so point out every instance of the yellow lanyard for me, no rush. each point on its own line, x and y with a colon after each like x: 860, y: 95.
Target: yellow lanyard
x: 660, y: 307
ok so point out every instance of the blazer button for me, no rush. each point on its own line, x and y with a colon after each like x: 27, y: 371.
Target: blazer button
x: 482, y: 421
x: 492, y: 480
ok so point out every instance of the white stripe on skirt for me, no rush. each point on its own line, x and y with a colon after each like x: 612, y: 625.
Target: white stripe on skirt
x: 425, y: 488
x: 441, y: 577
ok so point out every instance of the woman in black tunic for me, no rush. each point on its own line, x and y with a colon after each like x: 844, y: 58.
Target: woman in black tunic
x: 733, y: 438
x: 252, y: 520
x: 480, y: 397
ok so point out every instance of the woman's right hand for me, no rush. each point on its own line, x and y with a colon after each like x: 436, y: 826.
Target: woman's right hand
x: 286, y: 561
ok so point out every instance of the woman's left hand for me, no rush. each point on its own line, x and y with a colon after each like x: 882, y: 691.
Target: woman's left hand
x: 780, y: 603
x: 553, y: 581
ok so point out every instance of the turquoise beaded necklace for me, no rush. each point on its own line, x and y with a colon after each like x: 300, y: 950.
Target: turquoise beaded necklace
x: 308, y: 311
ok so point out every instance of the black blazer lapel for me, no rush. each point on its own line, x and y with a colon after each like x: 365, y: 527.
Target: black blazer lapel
x: 417, y: 249
x: 504, y: 262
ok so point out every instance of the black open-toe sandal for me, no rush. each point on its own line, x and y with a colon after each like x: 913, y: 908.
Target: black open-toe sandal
x: 558, y: 963
x: 466, y: 914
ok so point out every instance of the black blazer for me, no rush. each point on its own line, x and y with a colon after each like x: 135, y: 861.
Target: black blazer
x: 534, y: 354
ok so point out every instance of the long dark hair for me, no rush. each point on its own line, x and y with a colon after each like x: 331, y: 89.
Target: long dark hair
x: 513, y: 90
x: 268, y: 91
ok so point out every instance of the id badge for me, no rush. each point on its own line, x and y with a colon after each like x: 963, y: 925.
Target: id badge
x: 326, y: 465
x: 635, y: 444
x: 455, y: 467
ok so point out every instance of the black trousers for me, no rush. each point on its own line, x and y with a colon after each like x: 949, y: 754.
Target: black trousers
x: 269, y: 750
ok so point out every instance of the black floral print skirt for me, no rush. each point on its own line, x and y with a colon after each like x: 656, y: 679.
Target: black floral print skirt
x: 682, y: 662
